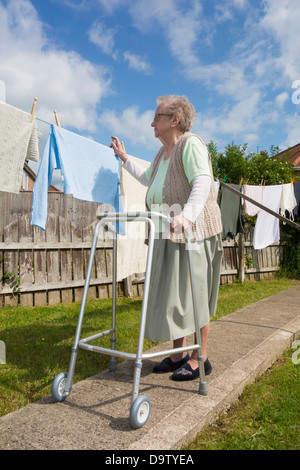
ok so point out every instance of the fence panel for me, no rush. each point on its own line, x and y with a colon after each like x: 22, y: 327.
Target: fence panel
x: 65, y: 258
x: 10, y: 264
x: 40, y: 266
x: 51, y: 265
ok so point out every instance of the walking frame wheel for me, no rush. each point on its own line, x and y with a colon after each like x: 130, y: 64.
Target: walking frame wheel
x: 58, y: 388
x: 140, y: 411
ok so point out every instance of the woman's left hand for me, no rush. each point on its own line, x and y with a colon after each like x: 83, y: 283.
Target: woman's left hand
x: 118, y: 148
x: 179, y: 224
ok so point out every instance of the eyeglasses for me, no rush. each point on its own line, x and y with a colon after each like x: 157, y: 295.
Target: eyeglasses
x: 157, y: 116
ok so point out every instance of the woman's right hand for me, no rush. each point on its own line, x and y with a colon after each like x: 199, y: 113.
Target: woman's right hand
x: 118, y: 148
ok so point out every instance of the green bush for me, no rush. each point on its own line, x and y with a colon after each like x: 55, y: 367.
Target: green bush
x: 290, y: 264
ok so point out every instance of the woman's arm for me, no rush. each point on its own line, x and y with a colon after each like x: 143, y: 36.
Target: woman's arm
x: 136, y: 170
x: 197, y: 198
x: 195, y: 204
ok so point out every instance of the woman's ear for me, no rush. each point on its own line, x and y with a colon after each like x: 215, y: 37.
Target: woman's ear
x: 176, y: 120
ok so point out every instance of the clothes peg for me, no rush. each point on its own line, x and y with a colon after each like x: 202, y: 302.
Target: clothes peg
x: 57, y: 121
x: 33, y: 109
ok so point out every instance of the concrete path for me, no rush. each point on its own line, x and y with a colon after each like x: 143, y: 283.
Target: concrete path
x: 95, y: 416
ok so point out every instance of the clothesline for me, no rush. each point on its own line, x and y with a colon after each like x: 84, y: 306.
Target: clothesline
x: 222, y: 183
x: 261, y: 206
x: 45, y: 122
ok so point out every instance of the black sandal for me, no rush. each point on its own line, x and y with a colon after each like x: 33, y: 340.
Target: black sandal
x: 187, y: 373
x: 167, y: 365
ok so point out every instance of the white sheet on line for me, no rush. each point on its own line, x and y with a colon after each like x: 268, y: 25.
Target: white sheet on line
x: 132, y: 250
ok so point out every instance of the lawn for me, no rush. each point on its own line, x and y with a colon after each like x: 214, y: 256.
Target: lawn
x: 266, y: 417
x: 39, y: 340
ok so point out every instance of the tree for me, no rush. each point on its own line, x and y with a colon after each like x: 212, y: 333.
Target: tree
x: 270, y: 170
x: 235, y: 165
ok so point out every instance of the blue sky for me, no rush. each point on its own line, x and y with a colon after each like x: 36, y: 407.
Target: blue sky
x: 102, y: 64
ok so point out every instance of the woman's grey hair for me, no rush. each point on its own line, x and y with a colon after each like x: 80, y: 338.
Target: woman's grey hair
x: 180, y: 105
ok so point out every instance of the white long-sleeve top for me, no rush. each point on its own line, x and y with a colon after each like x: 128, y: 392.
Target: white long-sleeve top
x: 198, y: 196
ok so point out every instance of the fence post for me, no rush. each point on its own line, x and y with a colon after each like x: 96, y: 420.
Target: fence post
x: 128, y: 289
x: 241, y: 252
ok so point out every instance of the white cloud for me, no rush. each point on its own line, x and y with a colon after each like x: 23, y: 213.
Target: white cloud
x: 225, y: 11
x: 109, y: 6
x: 250, y: 83
x: 292, y: 124
x: 103, y: 37
x: 281, y: 20
x: 181, y: 26
x: 75, y: 4
x: 136, y: 62
x: 132, y: 126
x: 240, y: 121
x: 32, y: 67
x: 282, y: 98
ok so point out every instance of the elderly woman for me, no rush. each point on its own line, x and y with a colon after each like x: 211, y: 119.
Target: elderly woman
x: 180, y: 181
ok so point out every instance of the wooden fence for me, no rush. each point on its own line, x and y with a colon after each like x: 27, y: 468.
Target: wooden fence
x: 48, y: 267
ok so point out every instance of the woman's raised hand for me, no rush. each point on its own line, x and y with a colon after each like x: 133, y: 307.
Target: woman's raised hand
x: 119, y: 148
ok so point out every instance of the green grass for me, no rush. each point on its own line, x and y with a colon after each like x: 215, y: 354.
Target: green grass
x: 266, y: 417
x: 39, y: 339
x: 233, y: 297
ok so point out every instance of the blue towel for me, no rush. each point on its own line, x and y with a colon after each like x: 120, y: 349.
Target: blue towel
x: 90, y: 172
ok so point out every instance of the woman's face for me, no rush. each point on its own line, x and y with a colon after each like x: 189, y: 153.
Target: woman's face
x: 161, y: 122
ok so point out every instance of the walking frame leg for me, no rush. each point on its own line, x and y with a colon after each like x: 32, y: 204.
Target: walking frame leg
x: 138, y: 361
x: 113, y: 361
x: 81, y: 312
x: 203, y: 390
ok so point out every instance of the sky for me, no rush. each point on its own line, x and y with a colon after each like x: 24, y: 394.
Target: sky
x: 102, y: 64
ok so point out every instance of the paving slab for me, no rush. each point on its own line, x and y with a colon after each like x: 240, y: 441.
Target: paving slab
x: 95, y: 416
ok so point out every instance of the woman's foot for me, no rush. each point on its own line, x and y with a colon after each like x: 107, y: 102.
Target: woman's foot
x: 186, y: 372
x: 168, y: 365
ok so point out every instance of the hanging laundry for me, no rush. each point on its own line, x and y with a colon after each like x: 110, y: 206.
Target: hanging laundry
x: 217, y: 187
x: 19, y: 139
x: 90, y: 171
x: 256, y: 193
x: 266, y: 230
x: 132, y: 250
x: 296, y: 211
x: 231, y: 211
x: 288, y: 201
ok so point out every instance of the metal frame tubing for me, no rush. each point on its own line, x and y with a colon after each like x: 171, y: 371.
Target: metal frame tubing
x: 83, y: 343
x: 203, y: 390
x: 69, y: 380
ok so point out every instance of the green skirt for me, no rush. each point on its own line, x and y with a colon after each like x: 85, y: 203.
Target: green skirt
x: 170, y: 313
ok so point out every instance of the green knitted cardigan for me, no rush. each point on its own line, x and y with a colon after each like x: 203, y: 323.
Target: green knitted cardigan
x: 176, y: 191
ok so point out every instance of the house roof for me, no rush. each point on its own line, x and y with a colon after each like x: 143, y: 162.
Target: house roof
x: 32, y: 175
x: 293, y: 154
